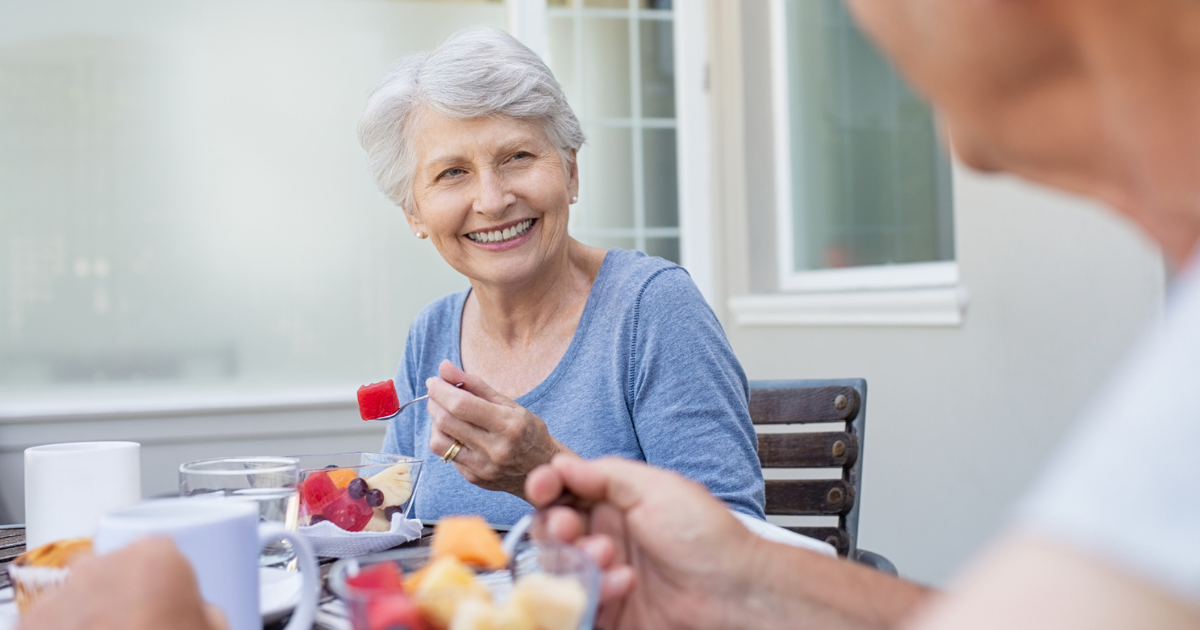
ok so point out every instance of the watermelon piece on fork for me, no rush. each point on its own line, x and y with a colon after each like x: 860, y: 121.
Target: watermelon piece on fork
x: 378, y: 400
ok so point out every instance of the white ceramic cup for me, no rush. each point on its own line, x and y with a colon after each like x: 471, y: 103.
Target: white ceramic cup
x: 68, y: 487
x: 221, y: 539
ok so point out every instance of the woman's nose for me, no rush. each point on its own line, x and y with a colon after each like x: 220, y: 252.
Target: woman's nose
x: 493, y: 197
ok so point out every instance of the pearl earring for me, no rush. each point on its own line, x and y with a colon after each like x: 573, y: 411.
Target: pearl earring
x: 420, y: 234
x: 574, y: 199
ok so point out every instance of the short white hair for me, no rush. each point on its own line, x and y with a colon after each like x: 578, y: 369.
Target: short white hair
x: 476, y: 72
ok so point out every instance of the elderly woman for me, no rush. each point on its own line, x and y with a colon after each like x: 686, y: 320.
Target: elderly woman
x: 559, y: 347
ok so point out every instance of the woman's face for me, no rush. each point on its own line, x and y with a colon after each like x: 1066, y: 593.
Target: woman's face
x: 492, y: 195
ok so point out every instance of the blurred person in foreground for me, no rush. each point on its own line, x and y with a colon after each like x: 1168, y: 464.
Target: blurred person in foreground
x: 560, y: 347
x: 1100, y: 97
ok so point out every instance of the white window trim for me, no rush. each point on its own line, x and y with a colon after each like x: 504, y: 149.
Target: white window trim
x: 925, y: 294
x: 693, y: 159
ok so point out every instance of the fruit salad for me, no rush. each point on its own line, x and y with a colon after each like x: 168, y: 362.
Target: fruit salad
x: 354, y: 503
x: 457, y: 589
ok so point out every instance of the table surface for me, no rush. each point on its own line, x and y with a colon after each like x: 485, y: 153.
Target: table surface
x: 12, y: 544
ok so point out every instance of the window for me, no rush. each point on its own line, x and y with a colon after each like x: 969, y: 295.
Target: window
x: 615, y: 60
x: 863, y: 185
x: 184, y: 207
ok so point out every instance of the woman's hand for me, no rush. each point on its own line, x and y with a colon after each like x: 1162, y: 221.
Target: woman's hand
x: 501, y: 440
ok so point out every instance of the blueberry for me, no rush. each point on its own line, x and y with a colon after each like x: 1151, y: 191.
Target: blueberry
x: 332, y: 466
x: 390, y: 510
x: 375, y: 498
x: 316, y: 518
x: 358, y: 488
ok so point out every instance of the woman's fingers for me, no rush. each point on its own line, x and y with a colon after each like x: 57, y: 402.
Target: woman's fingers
x: 456, y: 428
x: 464, y: 405
x: 452, y: 374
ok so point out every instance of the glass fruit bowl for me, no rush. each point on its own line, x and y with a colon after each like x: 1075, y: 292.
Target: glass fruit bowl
x: 356, y: 491
x: 555, y: 587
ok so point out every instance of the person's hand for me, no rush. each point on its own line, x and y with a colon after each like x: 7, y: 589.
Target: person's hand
x: 672, y: 554
x: 501, y: 440
x: 148, y: 585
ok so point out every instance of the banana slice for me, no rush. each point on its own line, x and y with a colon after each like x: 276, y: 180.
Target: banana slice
x: 394, y: 482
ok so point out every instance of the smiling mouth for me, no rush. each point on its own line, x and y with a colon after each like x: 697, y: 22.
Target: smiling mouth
x: 499, y: 236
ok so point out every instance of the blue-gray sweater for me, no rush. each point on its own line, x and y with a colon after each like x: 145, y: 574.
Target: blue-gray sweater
x: 649, y: 376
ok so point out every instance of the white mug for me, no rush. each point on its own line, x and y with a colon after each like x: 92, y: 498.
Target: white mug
x: 68, y: 487
x: 221, y: 539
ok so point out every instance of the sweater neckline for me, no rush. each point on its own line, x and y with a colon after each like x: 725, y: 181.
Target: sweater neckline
x: 547, y: 384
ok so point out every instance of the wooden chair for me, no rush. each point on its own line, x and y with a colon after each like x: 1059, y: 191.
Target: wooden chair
x: 841, y: 401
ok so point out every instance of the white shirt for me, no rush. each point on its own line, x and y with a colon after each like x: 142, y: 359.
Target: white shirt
x: 1127, y: 486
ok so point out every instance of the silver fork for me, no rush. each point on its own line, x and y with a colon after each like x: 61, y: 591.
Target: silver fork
x: 415, y: 400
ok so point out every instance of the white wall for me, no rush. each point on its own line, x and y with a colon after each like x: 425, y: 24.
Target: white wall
x: 959, y: 419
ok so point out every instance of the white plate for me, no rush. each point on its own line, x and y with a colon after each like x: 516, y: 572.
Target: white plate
x: 278, y: 593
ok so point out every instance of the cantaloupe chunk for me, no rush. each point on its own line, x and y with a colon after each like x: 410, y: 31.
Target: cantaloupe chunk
x: 342, y: 477
x: 555, y: 603
x: 445, y: 584
x: 470, y: 539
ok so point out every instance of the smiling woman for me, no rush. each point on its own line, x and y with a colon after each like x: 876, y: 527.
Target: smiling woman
x: 560, y: 347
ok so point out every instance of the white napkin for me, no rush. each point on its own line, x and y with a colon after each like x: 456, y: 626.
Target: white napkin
x: 332, y: 541
x: 775, y: 533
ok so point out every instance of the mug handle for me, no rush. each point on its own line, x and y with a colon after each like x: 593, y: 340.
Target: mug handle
x: 306, y: 608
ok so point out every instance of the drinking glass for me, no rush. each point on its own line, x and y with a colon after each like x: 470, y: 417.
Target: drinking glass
x: 269, y: 482
x: 368, y: 608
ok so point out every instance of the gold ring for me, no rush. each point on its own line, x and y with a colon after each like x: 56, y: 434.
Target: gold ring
x: 452, y: 452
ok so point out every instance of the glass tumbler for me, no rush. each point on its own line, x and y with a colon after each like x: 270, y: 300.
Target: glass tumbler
x: 268, y: 481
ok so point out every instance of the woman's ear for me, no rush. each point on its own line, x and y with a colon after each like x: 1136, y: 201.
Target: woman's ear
x: 416, y: 224
x: 573, y: 177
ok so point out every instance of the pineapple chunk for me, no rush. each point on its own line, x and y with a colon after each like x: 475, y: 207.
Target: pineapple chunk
x: 480, y: 615
x: 378, y: 522
x: 554, y: 603
x: 445, y: 585
x: 395, y: 482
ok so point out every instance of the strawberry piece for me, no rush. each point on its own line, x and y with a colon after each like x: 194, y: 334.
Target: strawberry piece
x: 381, y: 576
x: 351, y: 515
x: 394, y: 612
x: 316, y: 491
x: 378, y: 400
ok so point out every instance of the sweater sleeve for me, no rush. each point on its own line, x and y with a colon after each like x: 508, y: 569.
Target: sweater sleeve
x: 689, y: 398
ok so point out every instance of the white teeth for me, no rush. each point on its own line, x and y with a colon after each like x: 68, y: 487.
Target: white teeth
x: 506, y: 234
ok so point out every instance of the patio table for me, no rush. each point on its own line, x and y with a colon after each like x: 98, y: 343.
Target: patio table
x: 12, y: 544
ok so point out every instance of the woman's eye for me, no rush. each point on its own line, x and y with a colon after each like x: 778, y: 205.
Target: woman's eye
x: 522, y: 155
x: 450, y: 172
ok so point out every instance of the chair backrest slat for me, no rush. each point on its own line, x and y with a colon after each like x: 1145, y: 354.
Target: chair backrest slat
x: 841, y: 401
x: 834, y: 449
x: 833, y: 403
x: 832, y: 535
x: 809, y: 497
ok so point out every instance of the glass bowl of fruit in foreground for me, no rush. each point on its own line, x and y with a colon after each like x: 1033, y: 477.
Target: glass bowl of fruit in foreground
x: 356, y: 491
x: 462, y: 582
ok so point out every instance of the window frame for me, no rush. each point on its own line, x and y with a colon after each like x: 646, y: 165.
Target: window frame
x: 903, y: 276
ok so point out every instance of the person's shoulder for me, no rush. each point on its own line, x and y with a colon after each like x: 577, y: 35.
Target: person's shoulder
x: 634, y: 271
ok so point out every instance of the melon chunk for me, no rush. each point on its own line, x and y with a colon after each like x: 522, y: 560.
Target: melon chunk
x: 554, y: 602
x: 470, y: 539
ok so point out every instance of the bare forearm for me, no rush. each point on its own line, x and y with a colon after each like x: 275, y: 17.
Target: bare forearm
x: 793, y: 588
